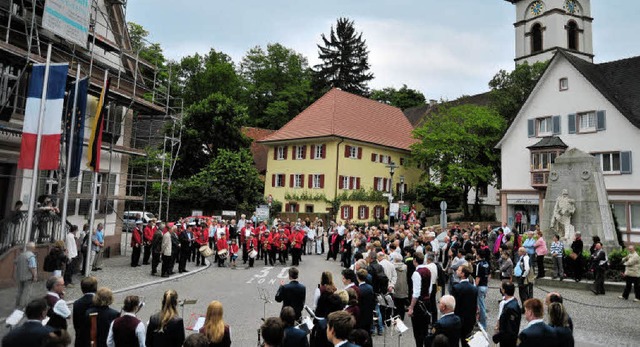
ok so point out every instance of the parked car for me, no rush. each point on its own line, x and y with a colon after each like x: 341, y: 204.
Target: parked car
x: 130, y: 217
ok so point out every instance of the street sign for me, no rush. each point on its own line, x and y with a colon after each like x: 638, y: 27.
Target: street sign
x: 229, y: 213
x: 386, y: 195
x: 196, y: 213
x: 443, y: 205
x: 262, y: 213
x: 394, y: 208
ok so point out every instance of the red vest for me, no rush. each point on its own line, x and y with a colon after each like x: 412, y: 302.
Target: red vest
x: 425, y: 278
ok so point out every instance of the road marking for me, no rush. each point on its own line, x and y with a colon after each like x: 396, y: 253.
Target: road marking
x: 261, y: 276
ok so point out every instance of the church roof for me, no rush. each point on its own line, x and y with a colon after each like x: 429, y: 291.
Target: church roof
x: 549, y: 142
x: 618, y: 81
x: 341, y: 114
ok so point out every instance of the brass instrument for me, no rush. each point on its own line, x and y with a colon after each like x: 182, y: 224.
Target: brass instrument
x: 282, y: 244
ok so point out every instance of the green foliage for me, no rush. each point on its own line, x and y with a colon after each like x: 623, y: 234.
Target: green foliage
x: 345, y: 59
x: 202, y: 76
x: 276, y: 84
x: 430, y: 194
x: 402, y: 98
x: 457, y: 145
x: 509, y: 90
x: 210, y: 125
x: 228, y: 181
x: 362, y: 195
x: 305, y: 196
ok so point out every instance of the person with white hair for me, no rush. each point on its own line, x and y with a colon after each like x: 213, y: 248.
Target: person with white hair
x: 389, y: 270
x: 26, y: 273
x: 449, y: 324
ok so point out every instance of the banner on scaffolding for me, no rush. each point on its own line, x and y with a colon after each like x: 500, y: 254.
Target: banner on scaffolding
x: 68, y: 19
x: 51, y: 124
x: 78, y: 131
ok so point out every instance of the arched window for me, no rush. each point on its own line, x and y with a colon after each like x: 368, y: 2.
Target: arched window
x: 572, y: 35
x: 536, y: 38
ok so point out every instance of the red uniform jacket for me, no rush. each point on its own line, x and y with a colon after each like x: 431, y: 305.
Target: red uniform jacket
x: 148, y: 233
x: 265, y: 241
x: 136, y: 237
x: 298, y: 237
x: 222, y: 243
x: 233, y: 248
x: 281, y: 241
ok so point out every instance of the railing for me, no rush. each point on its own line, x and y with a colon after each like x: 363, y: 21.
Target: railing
x: 46, y: 228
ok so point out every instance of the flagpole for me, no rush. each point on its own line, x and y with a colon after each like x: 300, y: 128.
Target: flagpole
x: 65, y: 201
x: 36, y: 160
x: 94, y: 193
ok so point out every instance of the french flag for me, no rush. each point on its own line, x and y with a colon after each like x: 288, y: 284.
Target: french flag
x: 52, y: 122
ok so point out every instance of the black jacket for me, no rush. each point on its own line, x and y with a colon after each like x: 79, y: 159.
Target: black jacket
x: 448, y: 326
x: 106, y: 315
x: 294, y: 337
x: 292, y: 294
x: 509, y: 324
x: 80, y: 321
x: 29, y: 334
x: 367, y: 303
x: 466, y: 295
x: 539, y: 334
x: 171, y: 336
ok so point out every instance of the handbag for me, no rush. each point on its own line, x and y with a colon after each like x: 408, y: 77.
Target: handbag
x: 573, y: 256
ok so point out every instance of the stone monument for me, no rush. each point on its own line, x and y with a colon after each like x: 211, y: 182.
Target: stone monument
x: 576, y: 200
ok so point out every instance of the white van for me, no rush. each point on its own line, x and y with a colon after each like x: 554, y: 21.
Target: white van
x: 130, y: 217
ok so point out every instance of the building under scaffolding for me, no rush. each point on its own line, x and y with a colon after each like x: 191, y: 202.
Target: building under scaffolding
x: 139, y: 112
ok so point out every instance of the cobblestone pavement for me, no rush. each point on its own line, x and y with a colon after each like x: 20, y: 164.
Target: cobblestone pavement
x: 598, y: 320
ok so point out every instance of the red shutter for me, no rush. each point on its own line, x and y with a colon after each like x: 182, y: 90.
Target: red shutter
x: 293, y: 152
x: 304, y: 152
x: 275, y: 153
x: 286, y: 207
x: 347, y: 151
x: 324, y: 151
x: 366, y: 212
x: 284, y: 152
x: 312, y: 155
x: 357, y: 182
x: 297, y: 207
x: 352, y: 182
x: 397, y: 187
x: 359, y: 152
x: 310, y: 181
x: 342, y: 210
x: 350, y: 212
x: 273, y: 180
x: 373, y: 157
x: 291, y: 181
x: 322, y: 181
x: 384, y: 185
x: 301, y: 181
x: 340, y: 182
x: 375, y: 183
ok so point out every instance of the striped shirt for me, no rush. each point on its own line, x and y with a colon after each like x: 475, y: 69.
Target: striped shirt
x: 557, y: 248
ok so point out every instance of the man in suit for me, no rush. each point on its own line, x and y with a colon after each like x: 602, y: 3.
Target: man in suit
x: 366, y: 301
x: 537, y: 332
x: 506, y: 332
x: 293, y: 337
x: 339, y: 326
x: 292, y: 294
x: 31, y: 333
x: 89, y: 285
x: 466, y: 295
x: 449, y: 324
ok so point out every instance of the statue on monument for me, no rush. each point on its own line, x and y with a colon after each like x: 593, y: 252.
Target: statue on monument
x: 562, y: 213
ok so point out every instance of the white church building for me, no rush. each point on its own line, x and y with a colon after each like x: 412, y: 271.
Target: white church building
x: 575, y: 104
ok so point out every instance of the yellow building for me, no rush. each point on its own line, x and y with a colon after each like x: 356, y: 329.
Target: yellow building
x: 341, y: 146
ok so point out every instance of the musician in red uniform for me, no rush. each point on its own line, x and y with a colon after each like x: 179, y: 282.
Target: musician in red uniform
x: 201, y: 237
x: 252, y: 244
x: 297, y: 238
x: 257, y: 234
x: 147, y: 236
x: 233, y: 253
x: 222, y: 246
x: 244, y: 237
x: 265, y: 245
x: 282, y: 241
x: 136, y: 244
x: 273, y: 246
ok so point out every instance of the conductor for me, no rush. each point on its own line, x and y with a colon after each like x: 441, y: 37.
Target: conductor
x: 293, y: 293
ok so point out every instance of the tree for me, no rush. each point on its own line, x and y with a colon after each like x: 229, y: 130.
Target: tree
x: 402, y: 98
x: 509, y: 90
x: 276, y: 84
x: 457, y: 145
x: 345, y: 59
x: 210, y: 125
x: 202, y: 76
x: 229, y: 181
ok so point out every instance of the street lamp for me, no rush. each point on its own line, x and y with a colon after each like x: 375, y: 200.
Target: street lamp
x: 392, y: 169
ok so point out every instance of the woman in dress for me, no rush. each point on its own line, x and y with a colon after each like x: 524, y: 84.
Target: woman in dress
x: 166, y: 328
x: 214, y: 328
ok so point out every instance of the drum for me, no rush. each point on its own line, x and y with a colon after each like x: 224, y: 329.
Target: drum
x: 205, y: 251
x: 223, y: 253
x: 253, y: 254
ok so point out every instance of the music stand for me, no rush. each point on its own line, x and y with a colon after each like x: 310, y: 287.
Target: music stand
x: 187, y: 302
x: 264, y: 296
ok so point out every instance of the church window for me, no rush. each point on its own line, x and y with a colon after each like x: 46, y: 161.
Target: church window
x: 572, y: 35
x: 536, y: 38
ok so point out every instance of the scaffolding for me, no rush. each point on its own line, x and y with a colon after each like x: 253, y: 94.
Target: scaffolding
x: 137, y: 94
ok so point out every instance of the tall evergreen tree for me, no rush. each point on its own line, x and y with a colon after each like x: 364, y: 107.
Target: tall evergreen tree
x: 345, y: 59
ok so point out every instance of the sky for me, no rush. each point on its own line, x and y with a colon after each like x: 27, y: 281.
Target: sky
x: 443, y: 48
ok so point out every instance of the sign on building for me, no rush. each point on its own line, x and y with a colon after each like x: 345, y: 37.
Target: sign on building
x: 196, y: 213
x: 68, y: 19
x: 262, y: 213
x: 228, y: 213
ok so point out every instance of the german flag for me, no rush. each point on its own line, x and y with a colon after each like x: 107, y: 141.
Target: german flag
x: 95, y: 140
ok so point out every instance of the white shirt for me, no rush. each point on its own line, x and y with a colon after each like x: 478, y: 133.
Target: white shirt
x: 434, y: 274
x: 389, y: 271
x: 340, y: 229
x: 60, y: 308
x: 502, y: 303
x: 72, y: 246
x: 417, y: 282
x: 535, y: 321
x: 340, y: 343
x: 506, y: 230
x: 311, y: 233
x: 140, y: 332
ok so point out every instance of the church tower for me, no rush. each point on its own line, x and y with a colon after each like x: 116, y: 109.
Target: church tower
x: 543, y: 26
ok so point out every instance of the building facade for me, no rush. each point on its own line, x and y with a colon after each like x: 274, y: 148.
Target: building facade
x: 341, y: 147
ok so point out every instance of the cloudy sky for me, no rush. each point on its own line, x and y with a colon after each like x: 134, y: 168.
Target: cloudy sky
x: 444, y: 48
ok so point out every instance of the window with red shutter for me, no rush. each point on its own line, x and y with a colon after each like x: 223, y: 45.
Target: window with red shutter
x: 284, y: 152
x: 375, y: 184
x: 366, y: 212
x: 291, y: 181
x: 341, y: 182
x: 357, y: 182
x: 275, y: 153
x: 313, y: 151
x: 350, y: 212
x: 273, y: 180
x: 352, y: 182
x: 347, y: 151
x: 322, y: 181
x: 286, y: 207
x: 304, y: 152
x: 359, y: 152
x: 324, y: 151
x: 301, y: 181
x: 310, y: 180
x: 297, y: 207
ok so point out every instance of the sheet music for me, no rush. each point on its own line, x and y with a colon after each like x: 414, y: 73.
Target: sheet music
x: 199, y: 324
x: 400, y: 326
x: 15, y: 317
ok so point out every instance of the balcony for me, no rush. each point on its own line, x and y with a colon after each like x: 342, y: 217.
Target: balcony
x: 539, y: 179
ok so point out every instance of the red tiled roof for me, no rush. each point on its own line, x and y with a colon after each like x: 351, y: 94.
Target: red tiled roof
x: 342, y: 114
x: 258, y: 151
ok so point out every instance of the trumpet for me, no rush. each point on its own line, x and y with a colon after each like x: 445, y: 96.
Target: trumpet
x: 282, y: 244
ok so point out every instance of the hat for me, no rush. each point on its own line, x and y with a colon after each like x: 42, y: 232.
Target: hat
x: 139, y: 221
